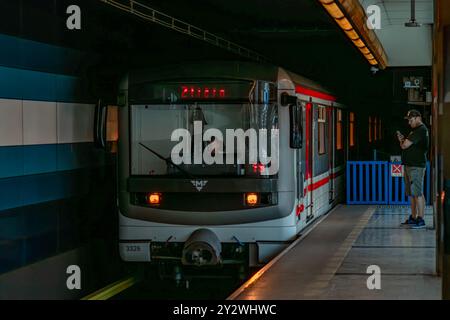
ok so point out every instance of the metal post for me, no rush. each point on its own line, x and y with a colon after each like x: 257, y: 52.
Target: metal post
x: 446, y: 244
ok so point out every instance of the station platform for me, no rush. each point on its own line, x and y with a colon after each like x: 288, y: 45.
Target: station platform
x: 331, y: 260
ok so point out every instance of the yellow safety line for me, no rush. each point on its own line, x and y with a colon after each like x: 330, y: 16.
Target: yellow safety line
x: 258, y: 274
x: 111, y: 290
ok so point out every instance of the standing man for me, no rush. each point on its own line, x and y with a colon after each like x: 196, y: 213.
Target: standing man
x: 414, y: 158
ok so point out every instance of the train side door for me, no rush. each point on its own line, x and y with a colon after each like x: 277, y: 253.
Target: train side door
x: 331, y: 154
x: 309, y: 151
x: 300, y: 165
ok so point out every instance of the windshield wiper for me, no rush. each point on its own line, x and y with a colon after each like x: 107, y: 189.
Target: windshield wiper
x: 167, y: 160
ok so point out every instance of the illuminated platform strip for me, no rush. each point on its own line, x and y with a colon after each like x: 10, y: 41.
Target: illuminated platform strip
x: 170, y: 22
x: 112, y: 290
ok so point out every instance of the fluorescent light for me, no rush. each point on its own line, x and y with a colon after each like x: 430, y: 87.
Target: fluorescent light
x: 333, y: 10
x: 344, y: 24
x: 359, y: 43
x: 364, y: 50
x: 352, y: 34
x: 339, y: 17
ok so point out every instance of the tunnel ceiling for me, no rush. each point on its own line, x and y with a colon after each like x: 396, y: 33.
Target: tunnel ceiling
x: 298, y: 35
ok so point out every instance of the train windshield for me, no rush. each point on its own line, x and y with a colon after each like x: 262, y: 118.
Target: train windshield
x: 179, y: 140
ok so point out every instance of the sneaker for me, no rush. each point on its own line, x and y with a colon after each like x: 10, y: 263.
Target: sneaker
x: 409, y: 222
x: 420, y: 224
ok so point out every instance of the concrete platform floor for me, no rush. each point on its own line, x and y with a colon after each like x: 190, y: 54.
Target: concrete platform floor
x: 405, y: 256
x: 331, y: 262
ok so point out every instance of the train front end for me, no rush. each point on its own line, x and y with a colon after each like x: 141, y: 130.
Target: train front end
x: 202, y: 181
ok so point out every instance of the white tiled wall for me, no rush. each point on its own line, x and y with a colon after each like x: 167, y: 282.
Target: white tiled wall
x: 75, y: 122
x: 10, y: 122
x: 39, y: 122
x: 42, y: 122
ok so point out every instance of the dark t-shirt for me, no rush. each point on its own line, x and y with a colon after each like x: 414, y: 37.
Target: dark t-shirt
x: 416, y: 154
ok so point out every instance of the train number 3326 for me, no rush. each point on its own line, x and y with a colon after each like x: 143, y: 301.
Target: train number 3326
x: 133, y: 248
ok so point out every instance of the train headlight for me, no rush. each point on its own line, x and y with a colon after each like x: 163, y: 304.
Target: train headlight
x: 154, y: 198
x: 251, y: 199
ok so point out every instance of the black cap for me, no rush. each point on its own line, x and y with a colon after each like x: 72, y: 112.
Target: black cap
x: 413, y: 113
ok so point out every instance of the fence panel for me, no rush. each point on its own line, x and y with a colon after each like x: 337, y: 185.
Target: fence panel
x: 371, y: 182
x: 367, y: 182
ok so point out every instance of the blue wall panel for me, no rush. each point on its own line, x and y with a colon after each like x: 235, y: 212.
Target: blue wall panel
x: 12, y: 225
x: 41, y: 246
x: 70, y: 89
x: 11, y: 161
x: 43, y: 158
x: 78, y: 155
x: 11, y: 83
x: 28, y: 234
x: 49, y: 193
x: 10, y: 55
x: 10, y: 195
x: 26, y: 190
x: 32, y: 232
x: 25, y: 222
x: 70, y: 224
x: 12, y: 254
x: 39, y: 159
x: 42, y: 188
x: 34, y: 85
x: 32, y: 55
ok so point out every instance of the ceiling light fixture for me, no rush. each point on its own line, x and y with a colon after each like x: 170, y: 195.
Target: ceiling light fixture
x: 339, y: 17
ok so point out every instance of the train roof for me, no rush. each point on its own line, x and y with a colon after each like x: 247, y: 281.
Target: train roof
x: 220, y: 70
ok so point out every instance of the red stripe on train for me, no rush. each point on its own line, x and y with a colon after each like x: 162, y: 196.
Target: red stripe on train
x: 319, y: 183
x: 314, y: 93
x: 323, y: 181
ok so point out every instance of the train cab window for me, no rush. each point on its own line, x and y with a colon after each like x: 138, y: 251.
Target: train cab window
x: 339, y: 145
x: 352, y: 129
x: 160, y: 131
x: 321, y: 120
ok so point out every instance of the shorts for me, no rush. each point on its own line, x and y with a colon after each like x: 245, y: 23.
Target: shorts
x: 414, y: 181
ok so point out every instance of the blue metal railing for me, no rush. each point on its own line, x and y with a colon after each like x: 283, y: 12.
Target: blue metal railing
x: 371, y: 182
x: 367, y: 182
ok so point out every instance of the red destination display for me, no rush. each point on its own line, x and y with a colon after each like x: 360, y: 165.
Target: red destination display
x: 200, y: 92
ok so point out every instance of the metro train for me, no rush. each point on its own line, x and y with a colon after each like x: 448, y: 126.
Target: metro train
x: 196, y: 214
